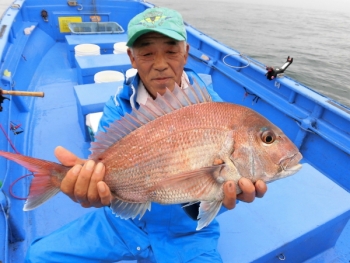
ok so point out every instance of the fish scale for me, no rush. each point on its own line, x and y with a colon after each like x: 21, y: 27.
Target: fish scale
x: 170, y: 160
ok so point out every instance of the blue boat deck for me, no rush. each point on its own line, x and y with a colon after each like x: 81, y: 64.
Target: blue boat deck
x: 303, y: 218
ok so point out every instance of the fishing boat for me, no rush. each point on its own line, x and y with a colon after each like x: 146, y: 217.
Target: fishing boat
x: 50, y: 96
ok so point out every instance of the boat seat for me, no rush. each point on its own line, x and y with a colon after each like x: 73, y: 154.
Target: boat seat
x: 104, y: 41
x: 88, y: 66
x: 91, y: 99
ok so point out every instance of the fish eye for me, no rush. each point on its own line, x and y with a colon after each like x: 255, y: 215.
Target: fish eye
x: 268, y: 137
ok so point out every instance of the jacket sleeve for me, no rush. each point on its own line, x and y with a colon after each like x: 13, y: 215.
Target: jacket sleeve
x: 207, y: 80
x: 214, y: 96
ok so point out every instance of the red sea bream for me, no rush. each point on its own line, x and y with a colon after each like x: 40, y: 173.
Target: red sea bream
x: 178, y: 148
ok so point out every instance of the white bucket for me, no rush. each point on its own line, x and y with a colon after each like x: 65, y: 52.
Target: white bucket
x: 120, y: 48
x: 87, y: 50
x: 108, y: 76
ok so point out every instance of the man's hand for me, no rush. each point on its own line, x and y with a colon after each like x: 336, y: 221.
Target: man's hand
x: 249, y: 192
x: 83, y: 182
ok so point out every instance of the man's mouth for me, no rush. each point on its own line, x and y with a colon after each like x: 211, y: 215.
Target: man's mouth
x: 161, y: 81
x: 162, y: 78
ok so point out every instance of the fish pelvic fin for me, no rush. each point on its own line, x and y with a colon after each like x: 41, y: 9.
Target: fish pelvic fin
x: 151, y: 110
x: 126, y: 210
x: 47, y: 178
x: 207, y: 212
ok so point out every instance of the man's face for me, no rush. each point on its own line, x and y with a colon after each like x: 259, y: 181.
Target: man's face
x: 160, y: 61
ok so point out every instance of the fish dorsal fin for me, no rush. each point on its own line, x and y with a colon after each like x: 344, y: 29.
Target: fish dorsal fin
x: 151, y: 110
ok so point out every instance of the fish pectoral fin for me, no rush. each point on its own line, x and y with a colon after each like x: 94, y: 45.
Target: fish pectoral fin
x: 204, y: 173
x: 192, y: 185
x: 207, y: 212
x: 127, y: 210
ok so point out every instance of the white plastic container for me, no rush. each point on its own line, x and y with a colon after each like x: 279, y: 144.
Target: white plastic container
x: 87, y: 50
x: 120, y: 48
x: 108, y: 76
x: 92, y: 121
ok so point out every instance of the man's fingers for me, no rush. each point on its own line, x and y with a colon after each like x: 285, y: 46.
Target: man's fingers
x: 260, y: 188
x: 248, y: 190
x: 105, y: 193
x: 82, y: 184
x: 230, y: 195
x: 93, y: 193
x: 66, y: 157
x: 68, y: 182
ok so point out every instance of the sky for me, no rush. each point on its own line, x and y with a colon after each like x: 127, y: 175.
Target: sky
x: 332, y: 5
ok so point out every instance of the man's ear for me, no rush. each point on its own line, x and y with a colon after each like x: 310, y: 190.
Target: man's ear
x: 131, y: 57
x: 187, y: 52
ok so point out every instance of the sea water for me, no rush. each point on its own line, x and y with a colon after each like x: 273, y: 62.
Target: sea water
x: 318, y: 40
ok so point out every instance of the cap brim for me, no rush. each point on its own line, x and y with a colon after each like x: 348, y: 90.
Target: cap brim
x: 169, y: 33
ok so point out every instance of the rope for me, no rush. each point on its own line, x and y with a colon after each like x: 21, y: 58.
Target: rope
x: 236, y: 54
x: 12, y: 185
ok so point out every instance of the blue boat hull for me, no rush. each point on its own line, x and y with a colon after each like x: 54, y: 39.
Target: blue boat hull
x: 303, y: 218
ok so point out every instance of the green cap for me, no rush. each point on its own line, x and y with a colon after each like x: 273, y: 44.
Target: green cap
x: 162, y: 20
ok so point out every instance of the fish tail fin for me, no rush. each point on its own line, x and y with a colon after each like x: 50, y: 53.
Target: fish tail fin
x: 47, y: 178
x: 207, y: 212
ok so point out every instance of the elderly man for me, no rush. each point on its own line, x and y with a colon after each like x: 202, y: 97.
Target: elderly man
x: 167, y: 233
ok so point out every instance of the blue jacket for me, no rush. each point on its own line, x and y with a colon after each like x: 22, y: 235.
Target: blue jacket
x: 169, y: 229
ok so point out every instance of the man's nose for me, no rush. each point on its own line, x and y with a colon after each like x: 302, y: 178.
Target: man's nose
x: 160, y: 62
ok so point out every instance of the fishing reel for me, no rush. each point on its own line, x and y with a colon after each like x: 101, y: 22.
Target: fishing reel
x: 272, y: 73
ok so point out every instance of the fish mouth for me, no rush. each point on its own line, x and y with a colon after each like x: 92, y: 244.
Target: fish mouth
x: 289, y: 171
x: 290, y: 165
x: 285, y: 173
x: 289, y: 162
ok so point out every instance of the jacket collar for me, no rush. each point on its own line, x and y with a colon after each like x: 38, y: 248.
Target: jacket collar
x: 129, y: 92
